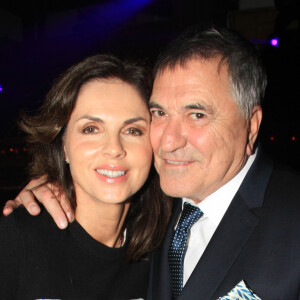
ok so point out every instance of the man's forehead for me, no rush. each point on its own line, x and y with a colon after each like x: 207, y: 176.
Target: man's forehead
x: 218, y: 61
x: 199, y: 84
x: 195, y: 74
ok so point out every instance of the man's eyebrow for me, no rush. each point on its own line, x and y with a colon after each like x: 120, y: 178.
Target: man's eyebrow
x: 195, y: 106
x: 153, y: 104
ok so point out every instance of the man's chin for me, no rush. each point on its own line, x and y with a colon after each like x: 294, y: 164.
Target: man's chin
x: 173, y: 190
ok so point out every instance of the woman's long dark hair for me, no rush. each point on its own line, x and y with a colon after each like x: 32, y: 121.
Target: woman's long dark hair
x: 149, y: 211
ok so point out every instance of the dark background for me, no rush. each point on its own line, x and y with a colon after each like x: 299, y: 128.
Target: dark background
x: 41, y: 38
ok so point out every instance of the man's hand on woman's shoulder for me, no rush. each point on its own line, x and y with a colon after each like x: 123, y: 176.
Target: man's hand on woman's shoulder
x: 49, y: 195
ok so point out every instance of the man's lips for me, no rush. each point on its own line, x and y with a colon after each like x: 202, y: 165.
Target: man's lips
x: 177, y: 162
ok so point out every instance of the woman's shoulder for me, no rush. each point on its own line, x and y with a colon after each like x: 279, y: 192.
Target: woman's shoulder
x: 20, y: 221
x: 12, y: 235
x: 22, y: 231
x: 16, y: 219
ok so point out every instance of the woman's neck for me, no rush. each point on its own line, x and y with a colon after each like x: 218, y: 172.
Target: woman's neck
x: 103, y: 221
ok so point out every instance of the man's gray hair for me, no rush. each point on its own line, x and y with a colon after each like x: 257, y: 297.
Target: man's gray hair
x: 246, y: 73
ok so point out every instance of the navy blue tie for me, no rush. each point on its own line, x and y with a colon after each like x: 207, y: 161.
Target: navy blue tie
x: 190, y: 215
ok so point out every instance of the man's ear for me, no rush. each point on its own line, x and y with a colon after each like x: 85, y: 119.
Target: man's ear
x: 253, y: 127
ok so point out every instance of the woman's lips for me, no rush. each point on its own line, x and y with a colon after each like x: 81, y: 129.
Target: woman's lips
x: 112, y: 174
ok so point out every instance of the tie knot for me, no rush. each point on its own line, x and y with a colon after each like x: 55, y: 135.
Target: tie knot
x: 190, y: 215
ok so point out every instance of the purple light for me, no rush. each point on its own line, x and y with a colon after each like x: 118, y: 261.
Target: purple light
x: 1, y: 90
x: 274, y: 42
x: 98, y: 21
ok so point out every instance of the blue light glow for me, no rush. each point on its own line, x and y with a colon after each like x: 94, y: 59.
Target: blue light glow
x: 96, y: 22
x: 1, y: 90
x: 106, y: 17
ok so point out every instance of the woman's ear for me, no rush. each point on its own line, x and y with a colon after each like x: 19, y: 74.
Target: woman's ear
x: 66, y: 156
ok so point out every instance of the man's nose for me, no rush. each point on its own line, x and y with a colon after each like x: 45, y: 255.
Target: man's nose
x: 173, y: 137
x: 113, y: 147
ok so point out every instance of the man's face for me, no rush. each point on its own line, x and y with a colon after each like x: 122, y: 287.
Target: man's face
x: 200, y: 138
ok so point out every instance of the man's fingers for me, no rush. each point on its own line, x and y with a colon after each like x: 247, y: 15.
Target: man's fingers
x: 49, y: 195
x: 34, y: 183
x: 10, y: 205
x: 26, y: 197
x: 46, y: 196
x: 64, y: 202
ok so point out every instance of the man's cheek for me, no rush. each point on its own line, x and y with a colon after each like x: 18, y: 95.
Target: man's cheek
x: 155, y: 142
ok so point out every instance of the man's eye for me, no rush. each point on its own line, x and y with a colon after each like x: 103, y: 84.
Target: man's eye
x: 197, y: 116
x: 157, y: 113
x: 89, y: 130
x: 133, y: 131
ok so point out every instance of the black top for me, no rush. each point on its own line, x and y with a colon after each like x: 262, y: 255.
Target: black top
x: 38, y: 260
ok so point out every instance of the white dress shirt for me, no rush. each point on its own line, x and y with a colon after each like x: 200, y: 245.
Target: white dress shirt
x: 213, y: 208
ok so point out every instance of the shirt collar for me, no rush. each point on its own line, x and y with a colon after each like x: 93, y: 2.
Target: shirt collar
x: 222, y: 198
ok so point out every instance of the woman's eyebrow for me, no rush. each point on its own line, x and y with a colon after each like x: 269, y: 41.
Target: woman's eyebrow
x: 133, y: 120
x: 99, y: 120
x: 91, y: 118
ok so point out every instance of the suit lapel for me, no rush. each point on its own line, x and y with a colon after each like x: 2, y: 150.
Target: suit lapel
x: 222, y: 251
x: 233, y: 232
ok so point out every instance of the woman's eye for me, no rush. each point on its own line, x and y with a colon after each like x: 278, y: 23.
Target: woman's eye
x: 90, y: 130
x: 133, y: 131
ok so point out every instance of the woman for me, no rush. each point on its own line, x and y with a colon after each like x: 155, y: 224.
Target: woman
x: 91, y: 137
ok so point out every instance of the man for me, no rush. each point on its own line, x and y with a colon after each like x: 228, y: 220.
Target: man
x: 206, y: 115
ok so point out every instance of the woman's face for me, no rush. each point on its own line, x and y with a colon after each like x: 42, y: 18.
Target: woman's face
x: 107, y: 142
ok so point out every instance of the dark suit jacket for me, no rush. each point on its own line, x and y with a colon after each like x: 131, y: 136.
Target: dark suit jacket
x: 258, y: 241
